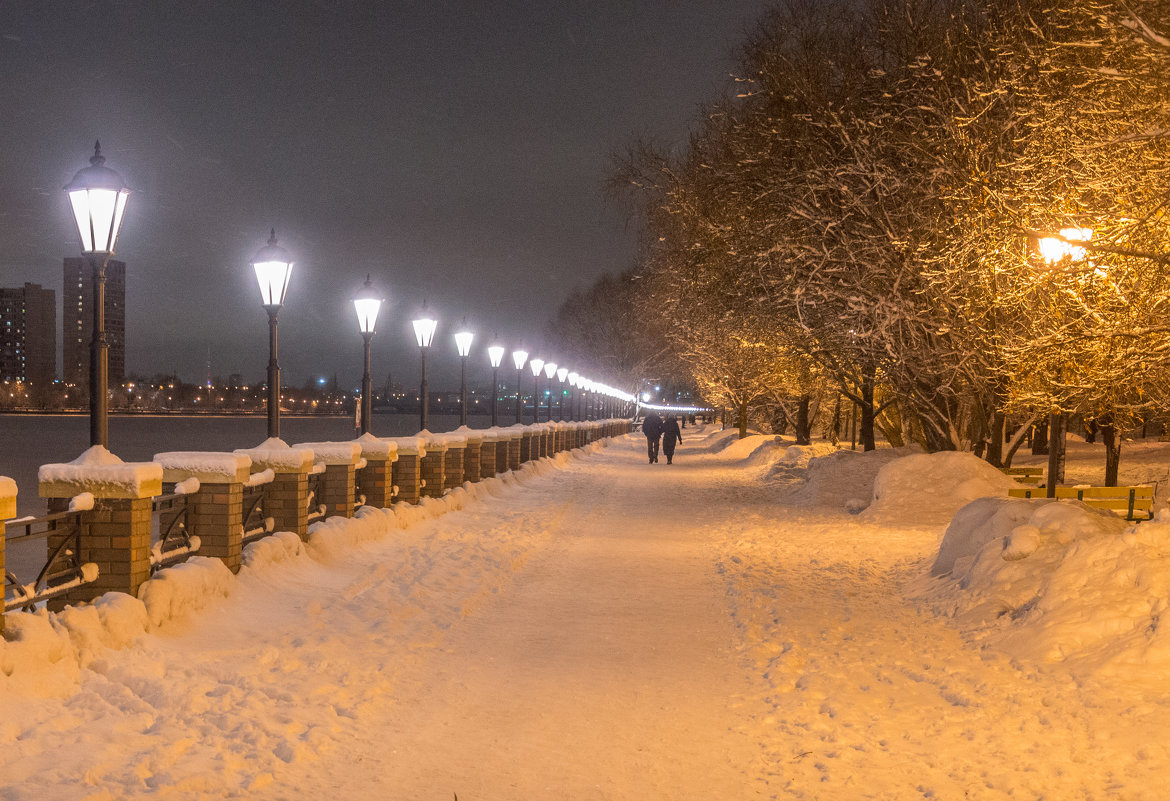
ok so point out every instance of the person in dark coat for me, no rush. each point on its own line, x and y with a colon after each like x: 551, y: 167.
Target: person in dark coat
x: 670, y: 436
x: 652, y: 428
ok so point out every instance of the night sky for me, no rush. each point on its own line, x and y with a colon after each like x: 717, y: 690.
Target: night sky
x: 456, y: 151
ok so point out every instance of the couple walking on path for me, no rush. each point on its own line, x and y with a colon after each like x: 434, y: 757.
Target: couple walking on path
x: 668, y: 432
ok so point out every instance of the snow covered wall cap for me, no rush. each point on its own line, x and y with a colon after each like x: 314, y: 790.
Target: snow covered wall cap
x: 210, y: 467
x: 275, y: 455
x: 101, y: 473
x: 7, y: 498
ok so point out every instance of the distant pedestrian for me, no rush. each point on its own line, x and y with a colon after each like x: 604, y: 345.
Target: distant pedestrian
x: 670, y: 436
x: 652, y: 428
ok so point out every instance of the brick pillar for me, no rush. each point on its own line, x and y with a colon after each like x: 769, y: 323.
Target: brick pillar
x: 374, y: 482
x: 407, y: 476
x: 115, y: 536
x: 431, y: 470
x: 526, y: 450
x: 337, y: 490
x: 453, y: 467
x: 503, y: 463
x: 487, y: 458
x: 215, y: 515
x: 471, y: 460
x: 286, y: 501
x: 514, y: 453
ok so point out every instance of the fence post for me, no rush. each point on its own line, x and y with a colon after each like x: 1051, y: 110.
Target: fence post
x: 513, y: 453
x: 407, y: 470
x: 215, y: 513
x: 471, y: 454
x: 431, y: 468
x: 7, y: 510
x: 286, y: 497
x: 453, y: 461
x: 487, y: 455
x: 338, y: 484
x: 115, y: 533
x: 374, y: 481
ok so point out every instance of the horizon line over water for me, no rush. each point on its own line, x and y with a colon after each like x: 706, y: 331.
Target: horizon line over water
x: 28, y: 441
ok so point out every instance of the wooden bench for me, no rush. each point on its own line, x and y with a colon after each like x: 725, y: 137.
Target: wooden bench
x: 1024, y: 475
x: 1137, y: 503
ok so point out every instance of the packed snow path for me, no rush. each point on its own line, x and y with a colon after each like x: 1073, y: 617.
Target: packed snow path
x: 608, y: 630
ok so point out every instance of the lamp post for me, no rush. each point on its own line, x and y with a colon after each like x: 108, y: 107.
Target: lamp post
x: 367, y: 303
x: 519, y: 357
x: 1055, y: 249
x: 550, y: 369
x: 463, y: 345
x: 273, y: 268
x: 562, y: 374
x: 537, y: 365
x: 424, y: 333
x: 495, y: 356
x: 573, y: 379
x: 98, y: 197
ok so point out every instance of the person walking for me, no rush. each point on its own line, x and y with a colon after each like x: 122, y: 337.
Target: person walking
x: 652, y: 428
x: 670, y: 435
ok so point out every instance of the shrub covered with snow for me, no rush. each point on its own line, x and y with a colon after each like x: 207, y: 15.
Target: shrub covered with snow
x: 927, y: 487
x: 1057, y: 581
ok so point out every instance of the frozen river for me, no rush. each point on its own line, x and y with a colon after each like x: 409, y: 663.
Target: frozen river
x: 28, y: 441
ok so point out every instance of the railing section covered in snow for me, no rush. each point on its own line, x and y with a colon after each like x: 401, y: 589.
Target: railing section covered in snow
x: 58, y: 539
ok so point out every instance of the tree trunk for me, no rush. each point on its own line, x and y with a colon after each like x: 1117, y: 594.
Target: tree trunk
x: 996, y: 439
x: 1040, y: 437
x: 1091, y: 427
x: 780, y: 421
x: 868, y: 443
x: 1112, y: 440
x: 803, y: 426
x: 835, y: 428
x: 742, y: 419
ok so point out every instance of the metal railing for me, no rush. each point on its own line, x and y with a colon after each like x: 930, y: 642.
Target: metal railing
x: 255, y: 522
x: 62, y: 570
x: 170, y: 536
x: 316, y: 509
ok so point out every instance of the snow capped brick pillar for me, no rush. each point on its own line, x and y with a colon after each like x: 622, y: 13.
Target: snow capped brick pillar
x: 431, y: 468
x: 407, y: 470
x: 7, y: 510
x: 471, y: 468
x: 503, y: 436
x: 513, y: 450
x: 453, y: 462
x: 487, y: 456
x: 116, y: 530
x: 526, y: 449
x: 374, y: 480
x: 337, y: 484
x: 215, y: 512
x: 286, y: 497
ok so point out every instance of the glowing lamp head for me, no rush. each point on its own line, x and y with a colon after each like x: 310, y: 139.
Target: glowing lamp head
x: 519, y: 357
x: 495, y: 354
x: 463, y: 343
x: 573, y: 378
x: 1056, y: 248
x: 537, y: 365
x: 424, y: 331
x: 562, y: 374
x: 98, y: 197
x: 367, y: 303
x: 273, y: 268
x: 550, y: 369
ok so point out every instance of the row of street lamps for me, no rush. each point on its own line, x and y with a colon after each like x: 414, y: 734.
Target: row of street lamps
x: 98, y: 197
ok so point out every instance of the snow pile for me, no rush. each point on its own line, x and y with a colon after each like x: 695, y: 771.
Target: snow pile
x: 720, y: 440
x: 756, y: 450
x: 934, y: 486
x: 842, y: 479
x: 1057, y: 581
x: 185, y: 588
x: 334, y: 537
x: 796, y: 458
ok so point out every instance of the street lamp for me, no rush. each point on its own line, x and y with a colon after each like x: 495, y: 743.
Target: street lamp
x: 367, y: 303
x: 537, y: 365
x: 98, y: 197
x: 519, y: 357
x: 463, y: 345
x: 573, y: 379
x: 495, y: 356
x: 424, y: 333
x: 562, y: 374
x: 550, y: 369
x: 273, y: 268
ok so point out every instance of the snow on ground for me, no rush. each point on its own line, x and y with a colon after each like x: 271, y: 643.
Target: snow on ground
x: 599, y: 628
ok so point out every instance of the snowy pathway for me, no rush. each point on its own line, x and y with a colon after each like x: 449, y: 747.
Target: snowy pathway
x: 609, y: 630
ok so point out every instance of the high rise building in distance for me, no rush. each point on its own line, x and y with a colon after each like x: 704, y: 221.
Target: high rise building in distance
x: 77, y: 320
x: 28, y: 335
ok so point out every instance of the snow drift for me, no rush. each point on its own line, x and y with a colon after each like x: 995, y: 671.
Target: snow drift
x: 928, y: 487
